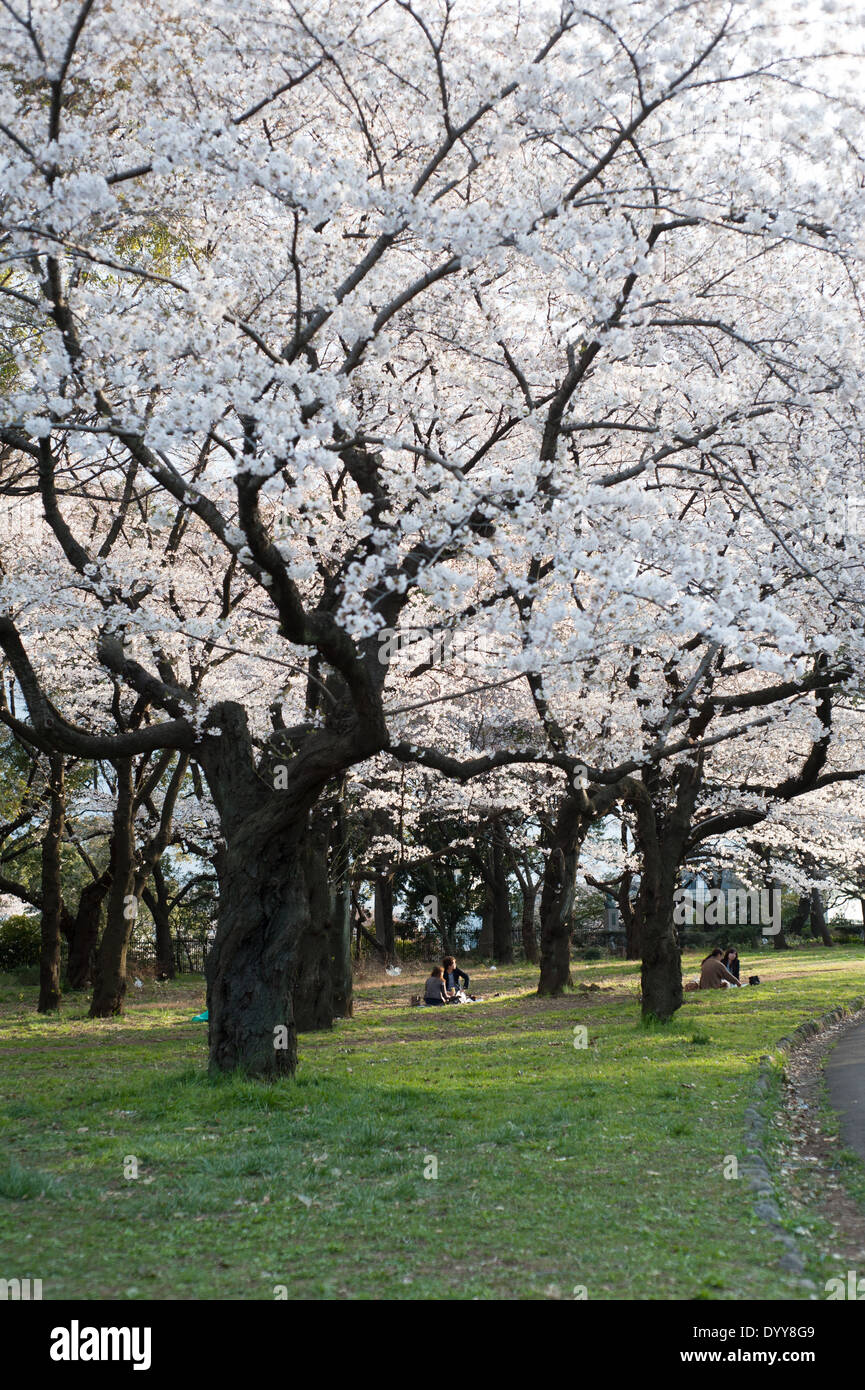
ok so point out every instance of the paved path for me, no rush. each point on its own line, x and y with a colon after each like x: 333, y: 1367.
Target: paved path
x: 845, y: 1078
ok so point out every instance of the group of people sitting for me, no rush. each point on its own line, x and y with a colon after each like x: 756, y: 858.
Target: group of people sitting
x: 447, y: 984
x: 720, y: 969
x: 443, y: 985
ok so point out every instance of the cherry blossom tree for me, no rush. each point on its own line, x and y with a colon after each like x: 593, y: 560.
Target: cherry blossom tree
x: 329, y: 319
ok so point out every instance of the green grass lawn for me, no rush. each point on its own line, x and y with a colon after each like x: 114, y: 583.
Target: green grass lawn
x: 557, y: 1167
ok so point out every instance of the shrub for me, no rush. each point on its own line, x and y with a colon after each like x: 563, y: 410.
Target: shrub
x: 592, y: 953
x: 742, y: 935
x: 19, y: 942
x: 697, y: 940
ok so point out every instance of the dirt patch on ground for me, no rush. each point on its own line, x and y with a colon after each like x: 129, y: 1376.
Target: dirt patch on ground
x: 423, y: 1025
x: 494, y: 1003
x: 810, y: 1165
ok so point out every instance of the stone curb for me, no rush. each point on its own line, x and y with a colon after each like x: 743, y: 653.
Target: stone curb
x: 755, y: 1167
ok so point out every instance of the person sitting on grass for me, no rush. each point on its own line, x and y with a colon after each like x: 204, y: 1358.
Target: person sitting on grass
x: 730, y: 958
x: 714, y: 973
x: 435, y: 991
x: 453, y: 975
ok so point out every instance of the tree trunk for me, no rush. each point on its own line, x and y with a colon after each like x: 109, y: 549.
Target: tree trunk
x: 157, y: 905
x: 357, y: 920
x: 52, y: 895
x: 485, y: 940
x: 818, y: 918
x: 530, y: 938
x: 342, y: 979
x: 252, y: 968
x: 661, y: 975
x: 557, y: 897
x: 801, y: 916
x: 313, y: 984
x: 88, y: 921
x: 149, y: 865
x: 630, y: 919
x: 503, y: 927
x: 780, y: 941
x: 384, y: 930
x: 446, y: 927
x: 109, y: 976
x: 662, y: 831
x: 84, y: 932
x: 268, y: 891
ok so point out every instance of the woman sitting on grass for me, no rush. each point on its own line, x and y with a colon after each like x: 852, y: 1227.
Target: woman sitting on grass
x: 435, y: 991
x: 730, y: 958
x: 714, y: 973
x: 453, y: 975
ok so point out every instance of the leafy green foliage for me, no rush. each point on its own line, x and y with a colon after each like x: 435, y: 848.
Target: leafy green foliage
x: 19, y: 942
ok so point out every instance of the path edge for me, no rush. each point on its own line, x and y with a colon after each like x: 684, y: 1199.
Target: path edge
x: 755, y: 1167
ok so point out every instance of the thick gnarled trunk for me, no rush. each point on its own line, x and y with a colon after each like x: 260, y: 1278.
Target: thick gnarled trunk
x: 265, y: 941
x: 663, y: 822
x: 84, y: 930
x: 271, y: 966
x: 661, y: 975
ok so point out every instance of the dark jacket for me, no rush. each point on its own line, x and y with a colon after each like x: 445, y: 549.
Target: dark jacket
x: 733, y: 966
x: 453, y: 976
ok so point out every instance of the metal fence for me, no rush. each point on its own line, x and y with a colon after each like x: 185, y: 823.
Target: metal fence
x: 190, y: 954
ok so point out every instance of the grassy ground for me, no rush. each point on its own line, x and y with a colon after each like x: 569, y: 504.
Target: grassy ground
x: 558, y: 1167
